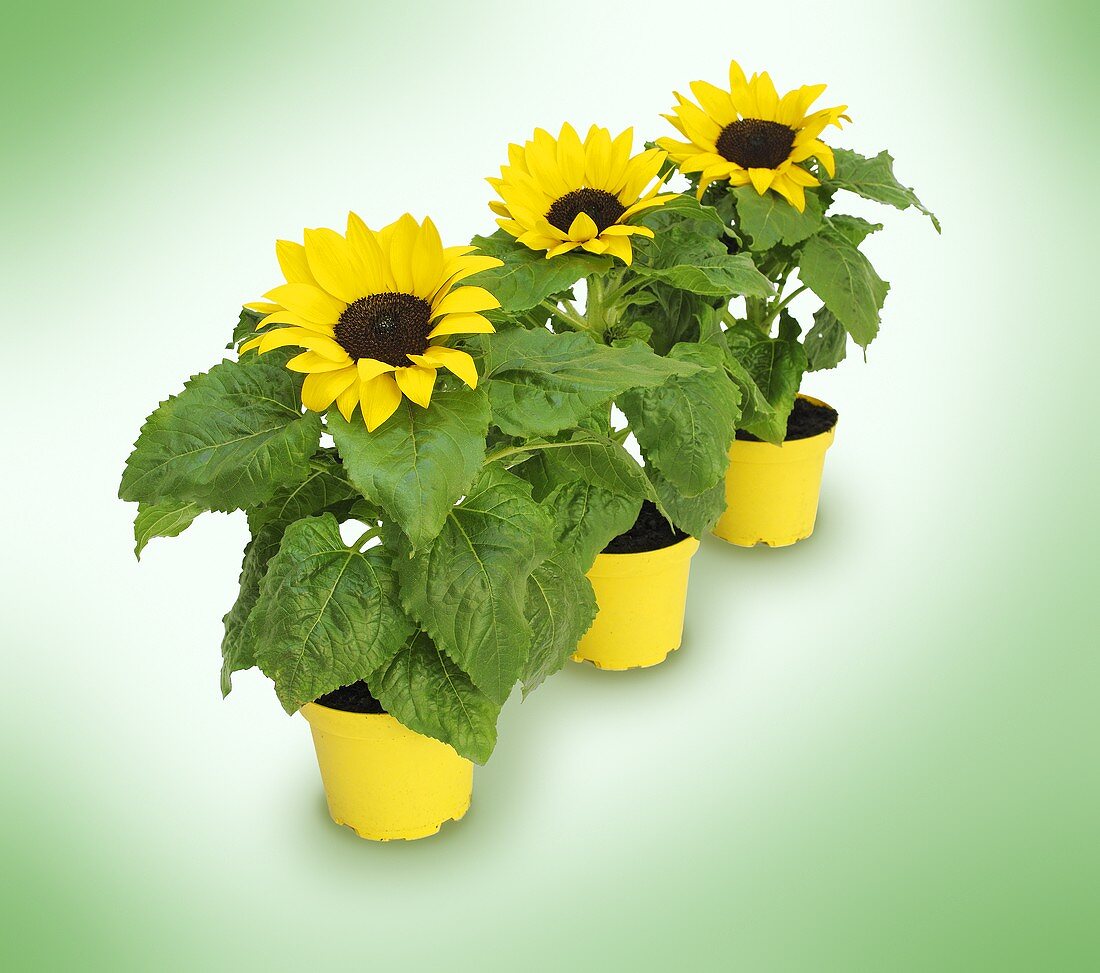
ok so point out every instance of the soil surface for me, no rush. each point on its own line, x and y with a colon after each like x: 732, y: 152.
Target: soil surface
x: 806, y: 419
x: 650, y: 532
x: 355, y: 698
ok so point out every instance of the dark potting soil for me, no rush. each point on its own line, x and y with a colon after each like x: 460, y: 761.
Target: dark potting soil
x: 355, y: 698
x: 650, y: 532
x: 806, y: 419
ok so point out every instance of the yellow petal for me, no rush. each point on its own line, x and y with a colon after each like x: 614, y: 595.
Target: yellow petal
x: 335, y: 264
x: 761, y: 179
x: 583, y: 228
x: 286, y: 317
x: 457, y: 362
x: 379, y: 400
x: 310, y: 361
x: 284, y: 337
x: 462, y: 324
x: 417, y: 382
x: 561, y: 248
x: 309, y: 301
x: 715, y: 102
x: 427, y: 267
x: 321, y: 388
x: 263, y: 307
x: 571, y: 156
x: 362, y: 241
x: 464, y: 300
x: 347, y: 400
x: 619, y: 246
x: 597, y: 151
x: 293, y: 262
x: 371, y: 368
x: 402, y: 237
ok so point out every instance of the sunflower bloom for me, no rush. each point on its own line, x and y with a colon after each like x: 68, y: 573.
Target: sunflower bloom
x: 561, y: 194
x: 750, y: 135
x: 372, y: 310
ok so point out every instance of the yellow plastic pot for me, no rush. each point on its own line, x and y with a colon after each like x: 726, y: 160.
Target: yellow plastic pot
x: 642, y: 598
x: 383, y: 780
x: 772, y: 491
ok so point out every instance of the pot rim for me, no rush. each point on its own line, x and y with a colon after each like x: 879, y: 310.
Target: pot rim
x: 645, y: 562
x: 791, y: 450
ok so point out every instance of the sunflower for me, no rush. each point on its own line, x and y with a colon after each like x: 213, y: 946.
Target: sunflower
x: 750, y: 135
x: 560, y: 194
x: 371, y: 309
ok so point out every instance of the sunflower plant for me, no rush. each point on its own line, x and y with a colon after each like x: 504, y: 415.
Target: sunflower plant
x: 760, y: 161
x: 370, y: 425
x: 656, y: 269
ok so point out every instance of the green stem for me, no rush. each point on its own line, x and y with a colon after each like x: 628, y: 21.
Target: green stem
x: 774, y: 313
x: 567, y: 313
x: 366, y: 536
x: 620, y: 436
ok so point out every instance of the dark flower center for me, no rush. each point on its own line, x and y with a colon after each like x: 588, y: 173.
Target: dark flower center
x: 755, y: 144
x: 602, y: 207
x: 388, y: 327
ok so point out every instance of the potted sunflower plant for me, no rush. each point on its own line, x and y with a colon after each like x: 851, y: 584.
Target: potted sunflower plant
x: 759, y: 160
x: 400, y: 577
x: 655, y: 269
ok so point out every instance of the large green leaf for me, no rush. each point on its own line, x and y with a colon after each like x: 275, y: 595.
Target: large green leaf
x: 420, y: 461
x: 327, y: 616
x: 776, y: 366
x: 423, y: 689
x: 541, y: 383
x: 237, y: 651
x: 685, y: 426
x: 845, y: 280
x: 724, y: 275
x: 326, y: 487
x: 229, y: 440
x: 770, y: 219
x: 874, y: 179
x: 468, y: 587
x: 528, y: 277
x: 826, y: 342
x: 695, y: 515
x: 587, y: 517
x: 561, y: 607
x: 169, y: 518
x: 596, y: 460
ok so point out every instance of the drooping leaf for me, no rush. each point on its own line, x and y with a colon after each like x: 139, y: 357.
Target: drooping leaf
x: 541, y: 383
x: 424, y: 690
x: 327, y: 615
x: 770, y: 219
x: 229, y: 440
x: 685, y: 426
x: 695, y: 515
x: 826, y: 342
x: 561, y: 607
x: 776, y: 366
x: 169, y: 518
x: 467, y: 588
x: 845, y: 280
x: 873, y: 178
x: 725, y: 275
x: 587, y: 517
x: 420, y: 461
x: 854, y: 229
x: 593, y: 459
x: 327, y: 486
x: 528, y: 277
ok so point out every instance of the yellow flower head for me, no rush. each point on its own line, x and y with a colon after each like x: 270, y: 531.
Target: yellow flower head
x: 560, y: 194
x: 750, y: 135
x: 371, y: 309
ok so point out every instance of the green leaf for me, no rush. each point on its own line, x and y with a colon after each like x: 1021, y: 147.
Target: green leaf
x: 587, y: 517
x: 468, y: 587
x: 826, y: 343
x: 770, y: 219
x: 561, y: 607
x: 420, y: 461
x: 874, y: 179
x: 327, y: 486
x: 685, y: 426
x: 598, y: 461
x: 776, y: 366
x: 229, y: 440
x: 528, y: 277
x: 695, y: 515
x: 725, y: 275
x: 245, y: 327
x: 541, y: 383
x: 424, y: 690
x: 845, y: 280
x: 327, y: 614
x: 852, y: 228
x: 169, y: 518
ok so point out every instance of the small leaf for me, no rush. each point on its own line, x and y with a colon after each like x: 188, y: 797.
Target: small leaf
x: 420, y: 461
x: 229, y: 440
x: 424, y: 690
x: 852, y: 228
x: 695, y: 515
x: 245, y: 327
x: 685, y: 426
x: 169, y: 518
x: 725, y: 275
x: 326, y: 487
x: 587, y: 517
x: 540, y: 383
x: 826, y: 343
x: 874, y: 179
x: 467, y: 588
x: 845, y: 280
x: 770, y: 219
x: 327, y: 615
x: 776, y: 366
x: 561, y: 607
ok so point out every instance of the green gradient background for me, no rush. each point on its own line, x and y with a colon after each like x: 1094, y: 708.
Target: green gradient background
x: 877, y: 750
